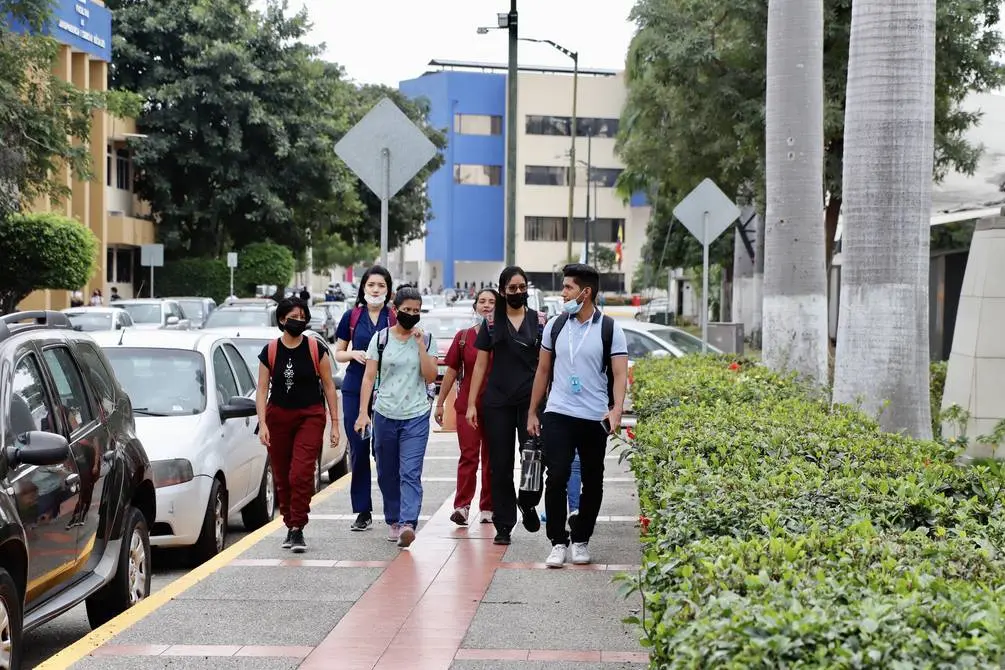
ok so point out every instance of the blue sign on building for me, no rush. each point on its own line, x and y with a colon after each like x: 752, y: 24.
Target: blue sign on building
x: 81, y: 24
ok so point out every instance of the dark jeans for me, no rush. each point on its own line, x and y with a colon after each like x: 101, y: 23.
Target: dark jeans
x: 564, y: 437
x: 359, y: 456
x: 502, y: 426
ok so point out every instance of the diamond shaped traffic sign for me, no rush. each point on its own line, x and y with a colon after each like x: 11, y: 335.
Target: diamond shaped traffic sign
x: 706, y: 198
x: 385, y: 128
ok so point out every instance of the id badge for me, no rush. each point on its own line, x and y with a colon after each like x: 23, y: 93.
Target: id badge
x: 575, y: 384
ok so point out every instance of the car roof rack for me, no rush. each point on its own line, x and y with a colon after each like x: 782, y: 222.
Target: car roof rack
x: 19, y: 322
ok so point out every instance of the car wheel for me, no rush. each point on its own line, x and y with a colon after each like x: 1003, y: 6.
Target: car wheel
x: 260, y: 511
x: 131, y: 582
x: 317, y: 475
x: 340, y: 469
x: 213, y: 537
x: 10, y: 622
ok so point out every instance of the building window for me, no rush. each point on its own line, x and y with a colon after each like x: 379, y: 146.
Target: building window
x: 124, y: 266
x: 477, y: 124
x: 546, y: 175
x: 108, y: 165
x: 122, y: 180
x: 605, y: 177
x: 560, y: 126
x: 478, y: 175
x: 604, y: 231
x: 110, y: 264
x: 553, y: 229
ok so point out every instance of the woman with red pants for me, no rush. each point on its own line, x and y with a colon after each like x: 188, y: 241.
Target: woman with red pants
x: 460, y: 362
x: 294, y: 385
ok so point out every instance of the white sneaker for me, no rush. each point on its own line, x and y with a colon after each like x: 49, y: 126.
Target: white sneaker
x: 580, y: 553
x: 557, y: 557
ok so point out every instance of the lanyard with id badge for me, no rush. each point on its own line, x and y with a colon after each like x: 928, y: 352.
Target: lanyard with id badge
x: 575, y: 384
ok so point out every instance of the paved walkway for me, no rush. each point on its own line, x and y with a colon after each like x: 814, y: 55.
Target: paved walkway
x: 355, y: 601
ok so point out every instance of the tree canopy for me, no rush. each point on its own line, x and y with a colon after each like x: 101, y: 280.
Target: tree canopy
x: 695, y: 104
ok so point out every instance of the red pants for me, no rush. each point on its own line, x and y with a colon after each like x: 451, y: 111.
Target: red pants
x: 473, y: 448
x: 294, y: 445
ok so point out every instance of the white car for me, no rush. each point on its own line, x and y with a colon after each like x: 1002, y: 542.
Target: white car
x: 250, y: 341
x: 97, y: 319
x: 193, y: 402
x: 154, y: 314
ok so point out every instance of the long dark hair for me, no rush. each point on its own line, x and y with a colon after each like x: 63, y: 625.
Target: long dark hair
x: 373, y: 270
x: 504, y: 278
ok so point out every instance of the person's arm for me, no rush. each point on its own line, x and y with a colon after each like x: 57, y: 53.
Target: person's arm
x: 477, y: 377
x: 427, y: 360
x: 261, y: 399
x: 328, y: 386
x: 541, y: 378
x: 619, y: 368
x: 342, y: 335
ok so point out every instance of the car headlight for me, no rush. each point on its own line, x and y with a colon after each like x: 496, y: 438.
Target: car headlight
x: 171, y: 472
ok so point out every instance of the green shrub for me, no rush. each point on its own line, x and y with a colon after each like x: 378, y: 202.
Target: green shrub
x: 781, y: 532
x: 43, y: 250
x: 207, y: 277
x: 264, y: 263
x: 937, y: 378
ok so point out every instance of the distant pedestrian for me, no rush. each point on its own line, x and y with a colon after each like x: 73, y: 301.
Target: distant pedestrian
x: 400, y: 363
x: 96, y: 298
x: 305, y: 295
x: 294, y: 385
x: 77, y: 299
x: 114, y: 297
x: 584, y: 360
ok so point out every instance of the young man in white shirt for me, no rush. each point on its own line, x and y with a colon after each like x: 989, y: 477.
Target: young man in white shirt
x: 583, y: 371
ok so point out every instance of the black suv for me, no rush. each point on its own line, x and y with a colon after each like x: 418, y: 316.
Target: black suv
x: 76, y: 489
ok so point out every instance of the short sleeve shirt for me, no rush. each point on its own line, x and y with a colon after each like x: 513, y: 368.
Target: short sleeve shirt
x: 401, y: 393
x: 461, y: 357
x: 295, y: 383
x: 514, y: 360
x: 365, y: 329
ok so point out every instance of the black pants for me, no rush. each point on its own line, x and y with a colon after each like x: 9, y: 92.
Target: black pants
x: 501, y: 425
x: 563, y: 437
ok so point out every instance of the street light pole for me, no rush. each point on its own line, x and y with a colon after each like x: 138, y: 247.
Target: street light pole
x: 511, y: 114
x: 589, y: 176
x: 572, y: 155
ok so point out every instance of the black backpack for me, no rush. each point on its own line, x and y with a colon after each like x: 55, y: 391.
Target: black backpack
x: 606, y: 337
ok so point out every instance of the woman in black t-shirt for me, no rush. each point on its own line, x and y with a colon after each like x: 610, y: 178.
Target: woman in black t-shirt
x: 291, y: 418
x: 513, y: 338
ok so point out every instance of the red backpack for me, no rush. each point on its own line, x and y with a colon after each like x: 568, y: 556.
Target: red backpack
x: 357, y: 312
x: 312, y: 344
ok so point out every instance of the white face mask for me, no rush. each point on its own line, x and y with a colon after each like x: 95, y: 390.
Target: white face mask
x: 375, y: 300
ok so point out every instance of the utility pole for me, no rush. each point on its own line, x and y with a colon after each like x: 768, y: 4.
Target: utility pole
x: 511, y: 125
x: 572, y: 154
x: 589, y: 177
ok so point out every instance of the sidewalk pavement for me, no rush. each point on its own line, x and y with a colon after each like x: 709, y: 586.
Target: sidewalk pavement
x: 355, y: 601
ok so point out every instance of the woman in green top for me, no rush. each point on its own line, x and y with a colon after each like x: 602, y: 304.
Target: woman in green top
x: 400, y: 363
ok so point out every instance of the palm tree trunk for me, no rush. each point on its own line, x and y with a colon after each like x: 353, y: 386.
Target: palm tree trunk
x: 795, y: 280
x: 882, y: 349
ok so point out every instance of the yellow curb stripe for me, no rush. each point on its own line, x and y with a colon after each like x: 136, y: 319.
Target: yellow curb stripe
x: 85, y: 645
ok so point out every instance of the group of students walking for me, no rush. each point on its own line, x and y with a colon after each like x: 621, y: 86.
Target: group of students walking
x: 518, y: 377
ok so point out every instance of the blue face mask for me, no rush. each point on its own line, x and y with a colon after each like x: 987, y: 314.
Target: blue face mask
x: 573, y: 306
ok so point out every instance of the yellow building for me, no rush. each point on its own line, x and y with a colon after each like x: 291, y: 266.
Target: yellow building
x: 106, y: 203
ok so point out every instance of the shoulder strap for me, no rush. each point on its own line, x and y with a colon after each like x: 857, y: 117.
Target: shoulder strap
x: 556, y: 328
x: 607, y: 338
x: 312, y: 344
x: 272, y: 351
x: 382, y: 336
x: 392, y: 316
x: 353, y: 320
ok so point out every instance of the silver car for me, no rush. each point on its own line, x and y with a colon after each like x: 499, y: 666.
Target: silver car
x: 154, y: 314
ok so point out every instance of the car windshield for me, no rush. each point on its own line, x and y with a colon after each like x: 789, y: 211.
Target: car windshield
x: 193, y: 309
x: 228, y: 318
x: 687, y: 343
x: 161, y: 382
x: 143, y: 312
x: 250, y: 348
x: 91, y: 322
x: 445, y: 327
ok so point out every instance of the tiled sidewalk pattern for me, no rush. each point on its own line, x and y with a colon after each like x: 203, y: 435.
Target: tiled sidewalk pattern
x: 354, y: 601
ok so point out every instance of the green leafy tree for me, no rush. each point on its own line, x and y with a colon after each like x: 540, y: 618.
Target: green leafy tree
x: 208, y: 277
x: 264, y: 263
x: 43, y: 251
x: 695, y: 104
x: 334, y: 251
x: 603, y: 258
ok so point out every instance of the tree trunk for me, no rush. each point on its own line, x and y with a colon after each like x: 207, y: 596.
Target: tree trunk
x: 795, y: 279
x: 882, y: 349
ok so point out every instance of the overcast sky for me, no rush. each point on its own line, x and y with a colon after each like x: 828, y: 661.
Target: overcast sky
x: 387, y: 41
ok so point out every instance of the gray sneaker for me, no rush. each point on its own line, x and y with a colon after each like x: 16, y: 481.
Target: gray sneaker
x: 392, y: 532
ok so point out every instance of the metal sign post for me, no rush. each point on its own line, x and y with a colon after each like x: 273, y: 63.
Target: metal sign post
x: 232, y: 263
x: 385, y: 150
x: 706, y: 212
x: 152, y: 255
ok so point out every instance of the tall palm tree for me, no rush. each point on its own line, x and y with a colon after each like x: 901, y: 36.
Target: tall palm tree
x: 882, y: 348
x: 795, y: 280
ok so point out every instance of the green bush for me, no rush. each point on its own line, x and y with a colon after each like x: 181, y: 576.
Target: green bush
x: 264, y: 263
x: 781, y: 532
x: 937, y: 378
x: 43, y: 251
x: 206, y: 277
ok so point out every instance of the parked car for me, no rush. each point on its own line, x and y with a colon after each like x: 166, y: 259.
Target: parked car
x: 444, y: 324
x: 193, y: 399
x: 333, y: 312
x: 261, y: 313
x: 334, y: 459
x: 94, y: 319
x: 196, y: 310
x: 77, y: 492
x: 154, y: 314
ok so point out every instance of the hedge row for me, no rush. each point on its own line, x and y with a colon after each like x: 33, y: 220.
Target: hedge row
x: 780, y: 532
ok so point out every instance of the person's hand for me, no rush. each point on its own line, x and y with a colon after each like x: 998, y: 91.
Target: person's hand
x: 263, y: 433
x: 438, y: 414
x: 334, y: 433
x: 472, y: 417
x: 417, y: 334
x: 362, y: 421
x: 533, y: 424
x: 614, y: 416
x: 359, y: 357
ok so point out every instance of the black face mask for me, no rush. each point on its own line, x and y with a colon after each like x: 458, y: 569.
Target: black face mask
x: 295, y: 327
x: 516, y: 300
x: 408, y: 321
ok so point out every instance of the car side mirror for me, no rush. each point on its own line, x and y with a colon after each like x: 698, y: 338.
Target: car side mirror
x: 38, y: 448
x: 660, y: 353
x: 238, y: 407
x: 172, y: 320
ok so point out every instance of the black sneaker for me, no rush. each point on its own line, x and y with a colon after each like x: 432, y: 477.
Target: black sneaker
x: 297, y: 544
x: 288, y: 542
x: 363, y: 522
x: 531, y: 520
x: 502, y: 537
